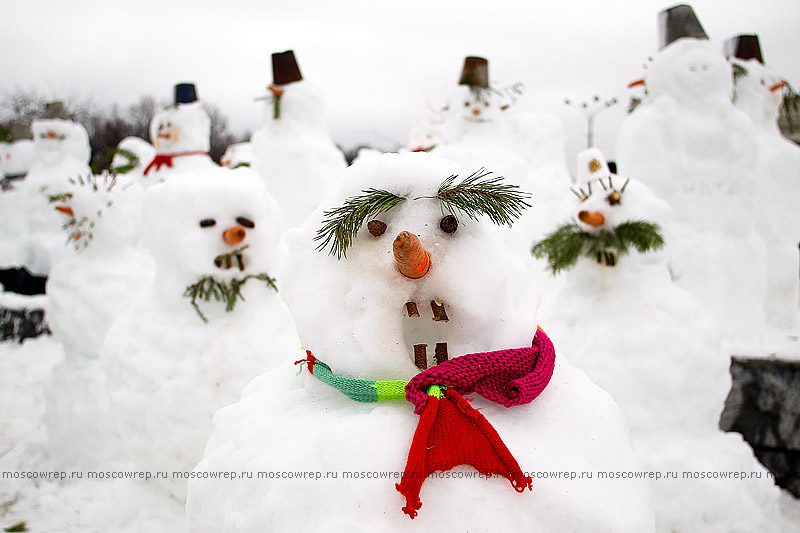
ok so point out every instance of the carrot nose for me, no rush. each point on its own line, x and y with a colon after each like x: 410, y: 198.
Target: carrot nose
x: 277, y: 91
x: 67, y: 210
x: 51, y: 134
x: 636, y: 83
x: 593, y: 218
x: 412, y: 259
x: 234, y: 235
x: 476, y: 111
x: 777, y: 86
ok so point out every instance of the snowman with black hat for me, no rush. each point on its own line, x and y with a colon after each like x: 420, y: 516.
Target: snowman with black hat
x: 181, y: 134
x: 293, y: 151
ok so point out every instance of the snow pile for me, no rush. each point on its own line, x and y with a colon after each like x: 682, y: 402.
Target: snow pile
x: 178, y: 354
x: 293, y: 151
x: 352, y: 314
x: 650, y: 345
x: 697, y: 151
x: 759, y: 92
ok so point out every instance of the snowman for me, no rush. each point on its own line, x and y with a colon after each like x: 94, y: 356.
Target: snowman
x: 181, y: 134
x: 87, y: 289
x: 293, y: 152
x: 759, y: 92
x: 613, y: 298
x: 131, y: 157
x: 237, y: 155
x: 480, y: 129
x: 401, y: 291
x: 210, y: 322
x: 16, y: 156
x: 61, y: 151
x: 424, y: 137
x: 697, y: 151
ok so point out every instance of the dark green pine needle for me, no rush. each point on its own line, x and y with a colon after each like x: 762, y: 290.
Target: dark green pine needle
x: 340, y: 225
x: 569, y: 241
x: 208, y: 288
x: 476, y: 196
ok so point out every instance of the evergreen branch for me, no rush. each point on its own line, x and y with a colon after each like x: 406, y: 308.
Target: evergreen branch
x: 476, y: 196
x: 569, y: 241
x: 790, y: 106
x: 739, y: 71
x: 228, y: 293
x: 341, y: 225
x: 59, y: 197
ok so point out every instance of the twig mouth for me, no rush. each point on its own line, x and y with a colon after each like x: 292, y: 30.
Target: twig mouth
x: 233, y: 259
x: 417, y: 328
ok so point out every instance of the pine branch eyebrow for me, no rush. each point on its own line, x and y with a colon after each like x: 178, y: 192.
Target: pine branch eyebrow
x: 341, y: 224
x: 476, y: 196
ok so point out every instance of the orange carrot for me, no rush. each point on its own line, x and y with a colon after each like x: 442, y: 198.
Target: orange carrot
x: 234, y: 235
x: 67, y: 210
x: 412, y: 259
x: 636, y: 83
x: 593, y: 218
x: 777, y: 86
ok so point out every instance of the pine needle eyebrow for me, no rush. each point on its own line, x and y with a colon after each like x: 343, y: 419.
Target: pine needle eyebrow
x: 341, y: 224
x: 476, y: 196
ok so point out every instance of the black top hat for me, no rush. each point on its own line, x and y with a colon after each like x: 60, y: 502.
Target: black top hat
x: 677, y: 22
x: 744, y: 47
x: 20, y: 131
x: 55, y: 110
x: 185, y: 93
x: 475, y: 72
x: 284, y: 68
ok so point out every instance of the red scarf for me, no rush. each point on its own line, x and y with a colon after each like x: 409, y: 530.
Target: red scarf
x: 166, y: 159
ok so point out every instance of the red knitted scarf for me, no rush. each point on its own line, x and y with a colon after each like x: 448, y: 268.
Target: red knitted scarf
x: 166, y: 159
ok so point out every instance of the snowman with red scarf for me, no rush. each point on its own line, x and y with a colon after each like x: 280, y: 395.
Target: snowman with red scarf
x: 181, y: 134
x: 419, y: 381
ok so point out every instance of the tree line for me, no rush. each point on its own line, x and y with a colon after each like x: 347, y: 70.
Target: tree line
x: 107, y: 125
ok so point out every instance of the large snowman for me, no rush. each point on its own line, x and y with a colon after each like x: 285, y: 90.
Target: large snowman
x: 60, y: 152
x: 759, y: 92
x: 181, y: 134
x: 210, y: 322
x: 399, y: 276
x: 614, y: 297
x: 293, y: 152
x: 697, y: 151
x: 87, y: 290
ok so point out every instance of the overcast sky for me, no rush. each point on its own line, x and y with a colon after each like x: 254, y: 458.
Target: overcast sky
x: 384, y: 66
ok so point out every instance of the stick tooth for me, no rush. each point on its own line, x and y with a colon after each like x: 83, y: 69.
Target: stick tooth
x: 439, y: 314
x: 421, y: 356
x: 240, y: 260
x: 411, y: 309
x: 440, y: 352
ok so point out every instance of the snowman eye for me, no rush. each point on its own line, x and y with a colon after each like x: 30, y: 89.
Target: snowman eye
x: 376, y: 228
x: 246, y: 222
x: 466, y: 104
x: 207, y: 222
x: 486, y: 104
x: 448, y: 224
x: 614, y: 198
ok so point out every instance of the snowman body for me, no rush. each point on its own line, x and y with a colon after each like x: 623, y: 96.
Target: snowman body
x: 360, y: 449
x: 176, y: 356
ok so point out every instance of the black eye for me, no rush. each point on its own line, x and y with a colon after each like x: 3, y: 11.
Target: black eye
x: 207, y: 222
x: 486, y: 104
x: 376, y: 228
x: 466, y: 104
x: 246, y: 222
x: 614, y: 198
x: 448, y: 224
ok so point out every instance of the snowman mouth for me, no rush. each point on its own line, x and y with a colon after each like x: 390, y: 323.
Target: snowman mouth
x: 233, y: 259
x: 419, y: 329
x: 476, y: 119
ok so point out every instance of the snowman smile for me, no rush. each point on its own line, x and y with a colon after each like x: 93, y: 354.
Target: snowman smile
x: 417, y: 330
x: 233, y: 259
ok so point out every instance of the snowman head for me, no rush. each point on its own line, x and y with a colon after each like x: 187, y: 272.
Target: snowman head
x: 216, y: 223
x: 132, y: 154
x: 405, y: 261
x: 758, y: 91
x: 100, y: 212
x: 690, y: 71
x: 16, y: 157
x: 181, y: 128
x: 55, y: 140
x: 608, y: 217
x: 237, y: 155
